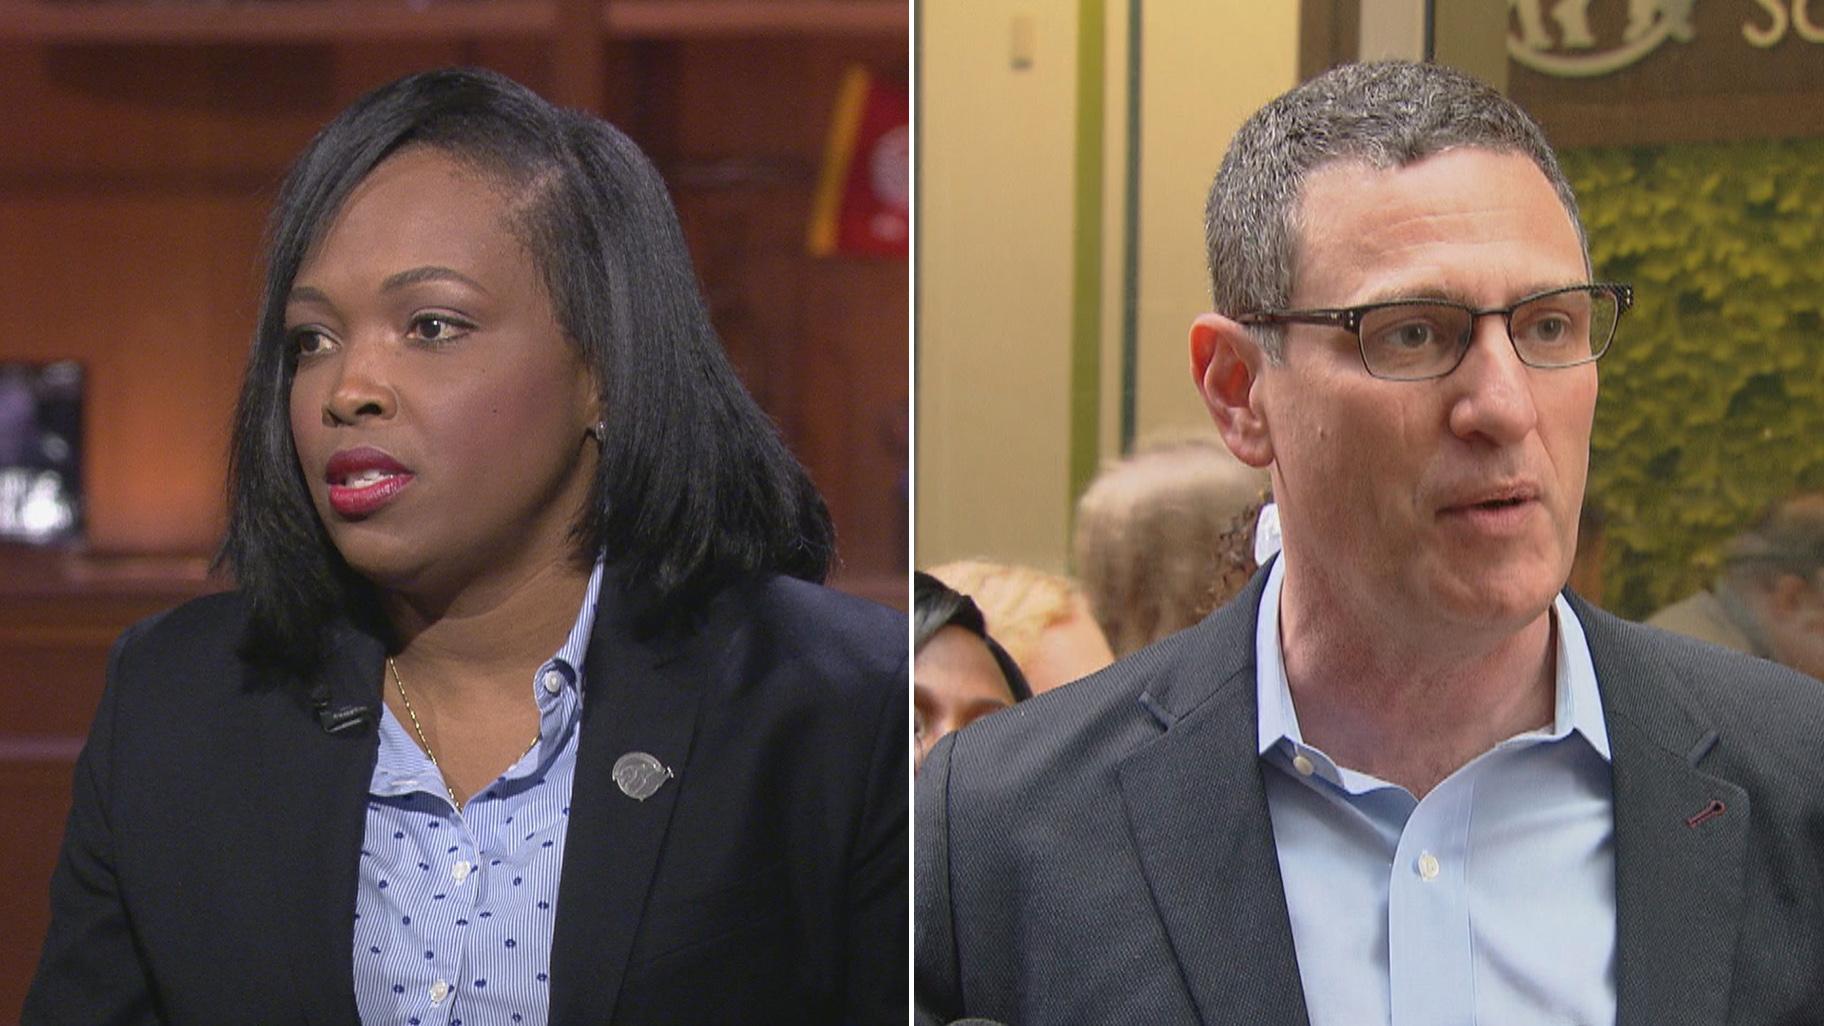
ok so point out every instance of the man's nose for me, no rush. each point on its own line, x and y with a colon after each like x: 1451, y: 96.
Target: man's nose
x: 1494, y: 397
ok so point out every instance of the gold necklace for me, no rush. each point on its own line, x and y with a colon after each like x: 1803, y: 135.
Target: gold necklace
x: 399, y: 684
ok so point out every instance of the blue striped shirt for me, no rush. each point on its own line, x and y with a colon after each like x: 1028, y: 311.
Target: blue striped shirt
x: 454, y: 915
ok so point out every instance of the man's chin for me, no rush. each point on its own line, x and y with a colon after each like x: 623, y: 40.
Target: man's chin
x: 1496, y: 601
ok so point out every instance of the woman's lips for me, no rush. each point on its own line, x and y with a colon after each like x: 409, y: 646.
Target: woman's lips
x: 362, y: 480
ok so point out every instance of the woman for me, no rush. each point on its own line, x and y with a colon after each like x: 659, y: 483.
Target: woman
x: 959, y: 673
x: 1043, y: 619
x: 524, y: 710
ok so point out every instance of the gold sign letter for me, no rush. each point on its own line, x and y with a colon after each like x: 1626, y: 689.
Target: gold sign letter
x: 1766, y: 37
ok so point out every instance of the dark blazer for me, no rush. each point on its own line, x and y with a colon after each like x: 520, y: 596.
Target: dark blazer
x: 1103, y: 853
x: 211, y: 863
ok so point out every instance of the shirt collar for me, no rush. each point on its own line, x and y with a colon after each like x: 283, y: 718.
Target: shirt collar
x: 1578, y: 705
x: 401, y: 767
x: 569, y: 659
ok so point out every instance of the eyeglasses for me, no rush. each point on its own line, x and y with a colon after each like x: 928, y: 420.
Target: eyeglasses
x: 1416, y: 339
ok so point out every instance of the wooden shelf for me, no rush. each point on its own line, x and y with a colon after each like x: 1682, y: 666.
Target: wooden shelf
x: 29, y: 574
x: 662, y: 19
x: 267, y: 21
x: 321, y: 21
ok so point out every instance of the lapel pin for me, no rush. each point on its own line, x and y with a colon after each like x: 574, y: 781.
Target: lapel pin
x: 639, y: 775
x: 1710, y: 811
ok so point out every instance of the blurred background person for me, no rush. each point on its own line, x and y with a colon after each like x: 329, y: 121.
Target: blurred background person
x: 1164, y: 536
x: 1769, y: 598
x: 1043, y: 619
x: 959, y: 673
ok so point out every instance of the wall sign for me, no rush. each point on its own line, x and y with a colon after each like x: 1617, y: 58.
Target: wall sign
x: 1644, y: 71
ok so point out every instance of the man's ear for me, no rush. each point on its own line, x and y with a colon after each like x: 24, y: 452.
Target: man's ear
x: 1226, y: 363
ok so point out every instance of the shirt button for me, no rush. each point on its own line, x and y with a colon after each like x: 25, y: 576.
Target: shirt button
x: 1303, y: 765
x: 439, y: 991
x: 460, y: 871
x: 554, y: 682
x: 1428, y: 866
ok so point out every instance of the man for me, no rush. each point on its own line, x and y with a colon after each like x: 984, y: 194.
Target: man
x: 1402, y: 778
x: 1769, y: 599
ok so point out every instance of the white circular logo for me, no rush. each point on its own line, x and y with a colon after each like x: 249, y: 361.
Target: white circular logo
x: 887, y: 168
x: 1574, y: 51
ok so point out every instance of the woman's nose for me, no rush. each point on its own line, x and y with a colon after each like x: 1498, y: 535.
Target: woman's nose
x: 362, y: 389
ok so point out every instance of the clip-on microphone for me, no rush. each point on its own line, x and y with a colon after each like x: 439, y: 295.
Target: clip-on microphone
x: 339, y: 720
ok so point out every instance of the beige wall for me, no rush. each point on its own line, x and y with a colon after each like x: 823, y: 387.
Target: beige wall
x: 1208, y: 65
x: 993, y: 291
x: 996, y: 235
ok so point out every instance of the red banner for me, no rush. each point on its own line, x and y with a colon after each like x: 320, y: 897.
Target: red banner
x: 863, y: 194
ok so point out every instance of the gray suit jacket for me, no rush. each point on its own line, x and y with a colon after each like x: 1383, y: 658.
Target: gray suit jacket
x: 1103, y: 854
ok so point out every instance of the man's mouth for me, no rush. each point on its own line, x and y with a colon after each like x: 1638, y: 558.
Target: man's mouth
x: 1498, y: 509
x: 1501, y: 503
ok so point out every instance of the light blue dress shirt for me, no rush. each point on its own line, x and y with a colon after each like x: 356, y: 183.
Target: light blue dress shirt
x: 1491, y: 901
x: 454, y: 915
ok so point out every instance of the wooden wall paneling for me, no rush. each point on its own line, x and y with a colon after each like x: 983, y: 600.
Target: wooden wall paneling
x: 856, y: 378
x: 36, y: 802
x: 59, y: 616
x: 576, y: 55
x: 139, y: 286
x: 51, y: 681
x: 132, y: 195
x: 820, y: 342
x: 108, y: 113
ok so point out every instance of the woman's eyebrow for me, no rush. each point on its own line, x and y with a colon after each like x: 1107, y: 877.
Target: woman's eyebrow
x: 392, y: 283
x: 419, y: 275
x: 306, y: 294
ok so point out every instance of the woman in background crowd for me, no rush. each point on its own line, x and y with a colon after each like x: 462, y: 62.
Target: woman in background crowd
x: 1043, y: 619
x: 959, y: 673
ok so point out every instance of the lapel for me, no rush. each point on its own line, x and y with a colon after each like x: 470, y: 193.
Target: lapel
x: 315, y: 800
x: 642, y: 696
x: 1678, y: 881
x: 1197, y: 812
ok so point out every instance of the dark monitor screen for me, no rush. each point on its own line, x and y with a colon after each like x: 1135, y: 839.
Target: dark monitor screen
x: 40, y: 451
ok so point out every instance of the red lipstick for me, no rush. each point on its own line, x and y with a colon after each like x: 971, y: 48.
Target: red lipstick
x: 362, y: 480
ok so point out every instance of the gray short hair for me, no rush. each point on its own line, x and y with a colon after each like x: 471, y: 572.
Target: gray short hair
x: 1386, y: 114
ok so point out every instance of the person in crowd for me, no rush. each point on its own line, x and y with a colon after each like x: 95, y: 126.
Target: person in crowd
x: 1404, y: 777
x: 1769, y: 599
x: 1164, y: 536
x: 959, y: 673
x: 1043, y: 619
x: 529, y: 706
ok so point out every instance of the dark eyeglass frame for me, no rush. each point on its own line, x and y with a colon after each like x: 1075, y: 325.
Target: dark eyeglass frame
x: 1350, y: 319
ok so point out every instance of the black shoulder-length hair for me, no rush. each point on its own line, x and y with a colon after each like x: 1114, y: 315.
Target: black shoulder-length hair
x: 694, y: 490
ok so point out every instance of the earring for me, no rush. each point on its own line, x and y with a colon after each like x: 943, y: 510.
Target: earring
x: 599, y: 432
